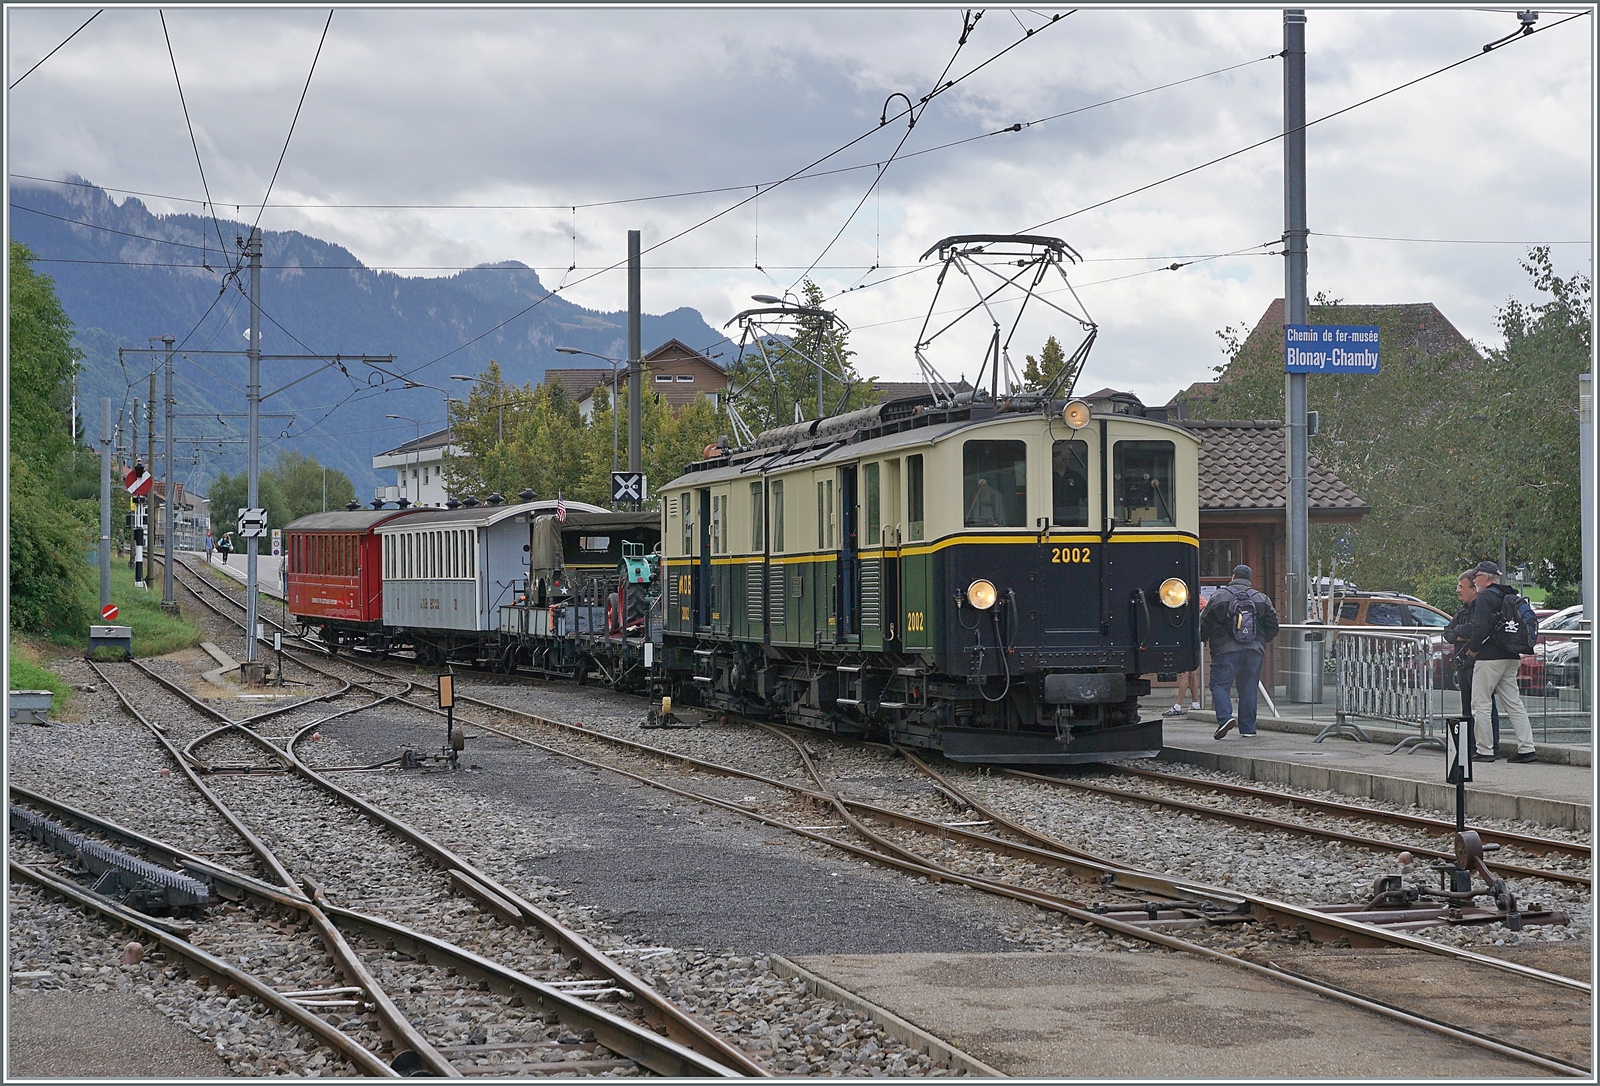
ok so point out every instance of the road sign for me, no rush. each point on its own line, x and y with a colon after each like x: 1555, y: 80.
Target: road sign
x: 277, y: 542
x: 138, y: 480
x: 627, y: 486
x: 109, y: 612
x: 252, y: 522
x: 1330, y: 348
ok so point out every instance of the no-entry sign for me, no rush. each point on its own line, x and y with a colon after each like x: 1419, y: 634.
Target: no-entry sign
x: 109, y: 612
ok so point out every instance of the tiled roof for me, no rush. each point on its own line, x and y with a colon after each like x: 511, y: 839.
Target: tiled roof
x: 900, y: 390
x: 580, y: 382
x: 1243, y: 465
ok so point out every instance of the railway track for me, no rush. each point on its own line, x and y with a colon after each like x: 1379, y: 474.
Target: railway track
x: 559, y: 958
x: 1187, y: 904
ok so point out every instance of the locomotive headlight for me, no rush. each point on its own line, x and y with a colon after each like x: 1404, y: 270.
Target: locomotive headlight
x: 1076, y: 414
x: 1174, y: 592
x: 981, y: 594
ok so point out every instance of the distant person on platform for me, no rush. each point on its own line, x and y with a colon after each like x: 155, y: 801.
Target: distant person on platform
x: 1456, y: 634
x: 225, y: 545
x: 211, y: 545
x: 1494, y: 669
x: 1237, y: 624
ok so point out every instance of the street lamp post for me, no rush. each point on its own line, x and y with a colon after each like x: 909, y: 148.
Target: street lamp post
x: 615, y: 362
x: 404, y: 482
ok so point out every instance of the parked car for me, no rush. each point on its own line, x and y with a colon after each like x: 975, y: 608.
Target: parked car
x: 1566, y: 619
x: 1387, y: 609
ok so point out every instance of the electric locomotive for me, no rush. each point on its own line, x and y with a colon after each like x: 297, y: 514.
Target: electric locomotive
x: 989, y: 578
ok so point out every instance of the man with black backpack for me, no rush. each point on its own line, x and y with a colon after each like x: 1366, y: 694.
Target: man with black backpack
x: 1237, y: 624
x: 1503, y: 631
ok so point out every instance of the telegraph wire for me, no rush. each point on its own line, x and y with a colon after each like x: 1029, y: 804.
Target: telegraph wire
x: 1521, y: 36
x: 1444, y: 241
x: 301, y: 105
x: 54, y: 51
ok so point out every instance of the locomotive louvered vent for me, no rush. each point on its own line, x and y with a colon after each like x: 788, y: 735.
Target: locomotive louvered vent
x: 754, y: 589
x: 118, y: 874
x: 672, y: 590
x: 775, y: 593
x: 871, y: 592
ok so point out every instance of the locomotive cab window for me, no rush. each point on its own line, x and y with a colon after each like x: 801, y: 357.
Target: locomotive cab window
x: 1142, y: 482
x: 1069, y: 484
x: 758, y: 517
x: 995, y: 484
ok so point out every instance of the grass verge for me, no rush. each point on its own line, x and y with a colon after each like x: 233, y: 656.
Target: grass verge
x: 29, y: 673
x: 155, y: 633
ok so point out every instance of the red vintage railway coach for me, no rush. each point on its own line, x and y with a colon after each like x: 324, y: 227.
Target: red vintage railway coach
x: 336, y: 572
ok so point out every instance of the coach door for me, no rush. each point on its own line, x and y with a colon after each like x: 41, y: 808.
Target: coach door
x: 702, y: 567
x: 849, y: 560
x: 883, y: 501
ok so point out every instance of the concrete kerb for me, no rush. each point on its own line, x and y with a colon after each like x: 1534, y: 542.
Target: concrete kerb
x: 1401, y: 791
x: 941, y: 1052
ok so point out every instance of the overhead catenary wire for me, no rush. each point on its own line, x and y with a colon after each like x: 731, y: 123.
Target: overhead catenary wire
x: 1485, y: 51
x: 54, y: 51
x: 298, y: 107
x: 190, y: 124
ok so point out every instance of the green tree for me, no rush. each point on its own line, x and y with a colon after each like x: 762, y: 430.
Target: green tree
x: 771, y: 399
x: 1040, y: 372
x: 300, y: 479
x: 1453, y: 450
x: 42, y: 364
x: 671, y: 439
x: 48, y: 535
x: 229, y: 495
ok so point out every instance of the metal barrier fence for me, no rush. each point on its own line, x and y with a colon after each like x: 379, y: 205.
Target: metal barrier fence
x: 1404, y: 676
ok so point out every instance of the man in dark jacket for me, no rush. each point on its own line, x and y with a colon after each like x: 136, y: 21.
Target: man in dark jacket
x: 1456, y: 634
x: 1494, y: 670
x: 1237, y: 624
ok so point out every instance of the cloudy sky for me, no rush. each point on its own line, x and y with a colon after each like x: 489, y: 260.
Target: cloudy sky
x: 506, y: 119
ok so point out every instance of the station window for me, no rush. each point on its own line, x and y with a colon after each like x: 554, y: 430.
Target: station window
x: 758, y: 517
x: 1218, y: 557
x: 914, y: 496
x: 874, y: 505
x: 777, y: 515
x: 1142, y: 478
x: 1069, y: 484
x: 995, y: 484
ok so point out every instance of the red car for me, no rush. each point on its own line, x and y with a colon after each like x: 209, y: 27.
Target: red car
x: 336, y: 572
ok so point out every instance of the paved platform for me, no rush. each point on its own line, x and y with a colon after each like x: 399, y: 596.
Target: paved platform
x: 1144, y: 1015
x: 1558, y: 790
x: 61, y: 1034
x: 269, y: 570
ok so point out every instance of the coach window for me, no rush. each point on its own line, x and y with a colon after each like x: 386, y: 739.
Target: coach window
x: 874, y: 505
x: 1142, y: 480
x: 1069, y: 484
x: 825, y: 514
x: 914, y: 496
x: 777, y: 515
x: 688, y: 525
x: 716, y: 523
x: 758, y: 517
x: 994, y: 488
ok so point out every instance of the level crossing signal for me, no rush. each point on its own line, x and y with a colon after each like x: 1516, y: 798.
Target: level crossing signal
x: 627, y: 486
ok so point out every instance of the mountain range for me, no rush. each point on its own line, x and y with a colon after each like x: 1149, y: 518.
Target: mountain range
x: 127, y: 276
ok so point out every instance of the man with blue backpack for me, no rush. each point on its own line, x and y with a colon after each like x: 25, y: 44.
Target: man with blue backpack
x: 1237, y: 624
x: 1503, y: 631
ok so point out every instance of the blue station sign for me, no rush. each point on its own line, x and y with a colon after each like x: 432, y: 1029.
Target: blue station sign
x: 1330, y: 348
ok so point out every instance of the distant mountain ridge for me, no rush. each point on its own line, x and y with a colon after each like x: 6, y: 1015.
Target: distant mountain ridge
x: 131, y: 274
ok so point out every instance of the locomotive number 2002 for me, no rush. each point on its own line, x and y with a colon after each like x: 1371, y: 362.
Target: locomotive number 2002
x: 1069, y: 554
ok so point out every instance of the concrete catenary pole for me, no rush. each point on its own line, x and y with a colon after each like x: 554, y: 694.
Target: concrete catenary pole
x: 635, y: 367
x: 1586, y: 490
x: 1301, y: 683
x: 253, y: 396
x: 167, y: 603
x: 105, y: 501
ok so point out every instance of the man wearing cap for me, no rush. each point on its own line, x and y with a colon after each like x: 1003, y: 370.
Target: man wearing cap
x: 1494, y: 670
x: 1236, y: 651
